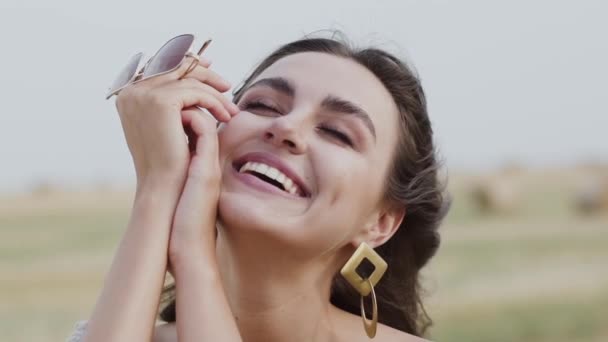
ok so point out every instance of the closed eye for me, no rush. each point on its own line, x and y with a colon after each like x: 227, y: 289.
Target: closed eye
x: 260, y: 106
x: 270, y: 109
x: 336, y: 133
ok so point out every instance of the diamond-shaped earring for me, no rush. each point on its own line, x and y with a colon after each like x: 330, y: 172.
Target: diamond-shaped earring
x: 363, y: 271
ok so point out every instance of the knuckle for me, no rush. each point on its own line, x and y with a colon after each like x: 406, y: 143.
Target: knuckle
x: 214, y: 103
x: 191, y: 111
x: 184, y: 66
x: 191, y: 82
x: 153, y: 98
x: 120, y: 102
x: 125, y: 93
x: 204, y: 86
x: 199, y: 83
x: 125, y: 98
x: 208, y: 123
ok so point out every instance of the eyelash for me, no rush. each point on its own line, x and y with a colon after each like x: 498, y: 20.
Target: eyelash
x: 260, y: 105
x: 336, y: 133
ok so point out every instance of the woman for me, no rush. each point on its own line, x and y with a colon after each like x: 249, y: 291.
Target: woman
x: 329, y: 149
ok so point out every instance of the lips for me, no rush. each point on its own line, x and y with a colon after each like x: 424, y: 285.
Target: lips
x: 261, y: 165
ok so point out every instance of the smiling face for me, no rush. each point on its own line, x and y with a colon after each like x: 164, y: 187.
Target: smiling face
x: 305, y: 162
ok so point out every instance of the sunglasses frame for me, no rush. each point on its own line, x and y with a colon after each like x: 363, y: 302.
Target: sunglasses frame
x: 138, y: 76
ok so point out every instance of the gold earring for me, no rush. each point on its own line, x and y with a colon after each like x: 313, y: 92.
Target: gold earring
x: 355, y: 272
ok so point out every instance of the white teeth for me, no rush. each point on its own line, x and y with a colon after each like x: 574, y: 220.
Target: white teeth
x: 272, y: 173
x: 288, y: 183
x: 261, y: 168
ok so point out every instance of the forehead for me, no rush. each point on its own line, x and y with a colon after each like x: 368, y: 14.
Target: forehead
x: 316, y: 75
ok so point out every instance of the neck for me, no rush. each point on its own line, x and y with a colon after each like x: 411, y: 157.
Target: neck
x: 274, y: 296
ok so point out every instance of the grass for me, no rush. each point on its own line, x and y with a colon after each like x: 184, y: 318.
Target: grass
x: 535, y: 275
x: 578, y: 317
x: 531, y: 283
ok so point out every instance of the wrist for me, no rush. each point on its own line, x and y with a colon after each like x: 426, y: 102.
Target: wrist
x: 188, y: 262
x: 154, y: 204
x: 159, y: 185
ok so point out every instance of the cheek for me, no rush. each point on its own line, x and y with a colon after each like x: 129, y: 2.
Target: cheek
x: 233, y: 133
x: 227, y: 133
x: 345, y: 177
x: 346, y: 192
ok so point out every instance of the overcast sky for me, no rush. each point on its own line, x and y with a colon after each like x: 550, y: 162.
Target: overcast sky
x: 516, y: 81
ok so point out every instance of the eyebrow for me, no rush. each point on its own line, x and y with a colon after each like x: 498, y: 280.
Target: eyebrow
x: 336, y: 104
x: 330, y: 102
x: 279, y: 84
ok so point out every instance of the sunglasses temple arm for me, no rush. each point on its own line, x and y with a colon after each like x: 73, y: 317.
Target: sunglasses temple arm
x: 204, y: 47
x: 138, y: 76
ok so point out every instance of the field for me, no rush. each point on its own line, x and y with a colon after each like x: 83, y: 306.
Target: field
x: 536, y: 272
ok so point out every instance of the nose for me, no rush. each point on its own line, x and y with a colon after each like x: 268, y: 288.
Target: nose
x: 287, y: 132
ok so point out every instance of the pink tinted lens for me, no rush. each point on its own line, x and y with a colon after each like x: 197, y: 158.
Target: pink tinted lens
x: 169, y: 56
x: 127, y: 73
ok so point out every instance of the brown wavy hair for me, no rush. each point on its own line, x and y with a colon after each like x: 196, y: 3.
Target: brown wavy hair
x: 413, y: 183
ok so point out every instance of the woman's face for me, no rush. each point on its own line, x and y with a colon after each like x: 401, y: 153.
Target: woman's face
x: 306, y: 159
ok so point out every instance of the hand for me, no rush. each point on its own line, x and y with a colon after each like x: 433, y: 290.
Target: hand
x: 151, y: 115
x: 202, y: 310
x: 193, y: 230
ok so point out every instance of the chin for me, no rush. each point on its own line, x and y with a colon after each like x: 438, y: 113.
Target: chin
x: 236, y: 212
x: 254, y: 223
x: 249, y: 219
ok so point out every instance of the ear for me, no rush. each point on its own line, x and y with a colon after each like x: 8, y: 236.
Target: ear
x: 381, y: 227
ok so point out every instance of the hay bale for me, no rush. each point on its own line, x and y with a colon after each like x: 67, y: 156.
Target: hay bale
x: 43, y: 188
x: 592, y: 197
x: 497, y: 195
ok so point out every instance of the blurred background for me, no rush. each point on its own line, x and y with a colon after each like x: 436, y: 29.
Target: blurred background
x: 516, y: 94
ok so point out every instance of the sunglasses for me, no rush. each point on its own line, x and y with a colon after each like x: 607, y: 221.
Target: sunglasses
x: 167, y: 59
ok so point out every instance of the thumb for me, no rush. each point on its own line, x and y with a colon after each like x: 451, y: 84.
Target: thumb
x: 197, y: 206
x: 202, y: 133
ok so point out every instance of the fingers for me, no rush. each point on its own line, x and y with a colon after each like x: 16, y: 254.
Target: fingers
x: 200, y: 87
x: 190, y: 92
x: 204, y: 164
x: 185, y: 97
x: 232, y: 108
x: 204, y: 62
x: 203, y: 129
x: 207, y: 76
x: 180, y: 72
x: 200, y: 77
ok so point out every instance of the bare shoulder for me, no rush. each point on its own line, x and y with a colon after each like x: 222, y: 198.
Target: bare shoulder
x: 388, y: 334
x: 165, y: 332
x: 351, y: 329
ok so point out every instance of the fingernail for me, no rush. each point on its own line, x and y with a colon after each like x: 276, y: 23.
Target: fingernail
x: 205, y: 61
